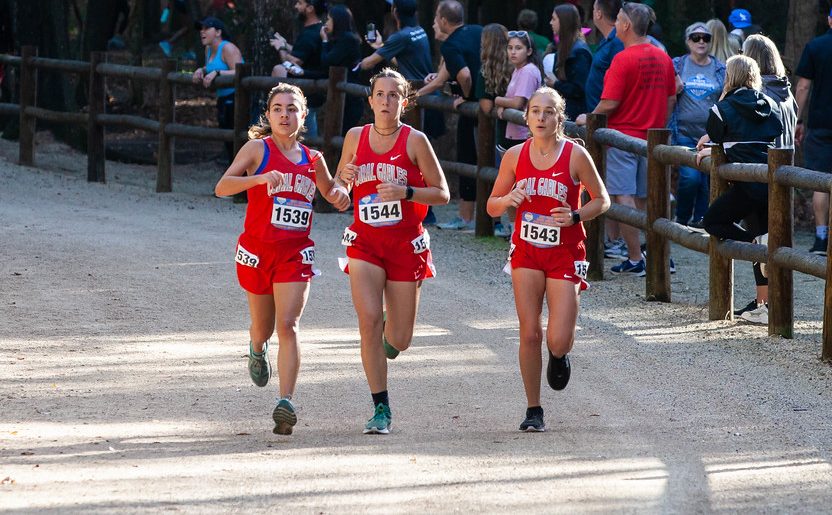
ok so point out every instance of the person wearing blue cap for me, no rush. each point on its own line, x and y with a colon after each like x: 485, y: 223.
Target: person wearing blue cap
x: 814, y: 122
x: 740, y: 20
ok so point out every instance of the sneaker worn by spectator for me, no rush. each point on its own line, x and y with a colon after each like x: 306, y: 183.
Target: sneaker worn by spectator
x: 820, y: 246
x: 644, y: 256
x: 759, y: 315
x: 284, y: 417
x: 502, y: 231
x: 628, y: 267
x: 534, y: 421
x: 751, y: 306
x: 259, y: 368
x: 615, y: 249
x: 381, y: 421
x: 457, y: 224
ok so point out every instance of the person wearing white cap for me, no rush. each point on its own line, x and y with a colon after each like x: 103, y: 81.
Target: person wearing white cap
x: 699, y: 80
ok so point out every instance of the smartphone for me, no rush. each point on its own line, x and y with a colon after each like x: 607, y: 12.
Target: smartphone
x: 371, y: 32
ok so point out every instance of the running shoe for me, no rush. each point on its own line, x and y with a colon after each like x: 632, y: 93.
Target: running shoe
x: 819, y: 248
x: 457, y: 224
x: 284, y: 417
x: 751, y: 306
x: 381, y: 422
x: 757, y: 316
x: 389, y: 351
x: 558, y: 371
x: 626, y: 267
x: 258, y: 365
x: 533, y: 422
x: 644, y: 256
x: 166, y: 48
x: 615, y: 249
x: 502, y: 231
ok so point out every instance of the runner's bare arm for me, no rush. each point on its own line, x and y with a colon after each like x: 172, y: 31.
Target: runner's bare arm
x: 504, y: 194
x: 347, y: 171
x: 583, y: 169
x: 421, y: 153
x: 235, y: 180
x: 334, y: 193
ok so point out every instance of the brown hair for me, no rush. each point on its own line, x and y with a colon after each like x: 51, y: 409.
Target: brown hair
x: 262, y: 129
x: 570, y: 31
x: 404, y: 85
x: 741, y: 71
x: 764, y: 51
x: 452, y: 11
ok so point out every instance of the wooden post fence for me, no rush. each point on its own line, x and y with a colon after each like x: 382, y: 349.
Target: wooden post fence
x: 595, y: 228
x: 164, y: 163
x: 96, y: 156
x: 657, y: 282
x: 28, y: 98
x: 780, y: 227
x: 242, y: 105
x: 484, y: 225
x: 721, y: 269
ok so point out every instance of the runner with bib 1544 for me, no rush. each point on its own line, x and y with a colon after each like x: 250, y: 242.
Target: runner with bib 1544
x: 395, y: 176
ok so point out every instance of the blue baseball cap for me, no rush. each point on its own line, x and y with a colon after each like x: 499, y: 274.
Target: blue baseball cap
x: 740, y: 18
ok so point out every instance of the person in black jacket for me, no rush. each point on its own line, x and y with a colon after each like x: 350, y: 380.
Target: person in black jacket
x: 342, y: 47
x: 746, y: 122
x: 567, y: 71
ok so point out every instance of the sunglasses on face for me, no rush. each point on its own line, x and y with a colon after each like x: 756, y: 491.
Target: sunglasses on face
x: 696, y: 38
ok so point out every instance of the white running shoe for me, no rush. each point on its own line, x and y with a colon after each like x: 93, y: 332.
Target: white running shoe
x: 757, y: 316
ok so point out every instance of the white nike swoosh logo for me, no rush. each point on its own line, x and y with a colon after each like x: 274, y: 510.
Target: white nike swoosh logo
x: 567, y: 276
x: 393, y: 158
x: 305, y: 275
x: 556, y: 174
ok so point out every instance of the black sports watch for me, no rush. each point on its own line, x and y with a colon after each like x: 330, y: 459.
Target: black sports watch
x: 576, y: 217
x: 409, y: 193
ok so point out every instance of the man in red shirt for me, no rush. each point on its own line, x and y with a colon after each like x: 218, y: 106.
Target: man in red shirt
x: 639, y: 94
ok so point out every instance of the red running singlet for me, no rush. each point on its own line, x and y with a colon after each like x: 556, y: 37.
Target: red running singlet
x: 394, y: 167
x: 547, y: 189
x: 285, y: 213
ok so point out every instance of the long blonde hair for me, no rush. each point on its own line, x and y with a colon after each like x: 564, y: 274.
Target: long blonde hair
x: 764, y: 51
x: 262, y: 129
x: 496, y: 68
x: 722, y: 47
x: 741, y: 71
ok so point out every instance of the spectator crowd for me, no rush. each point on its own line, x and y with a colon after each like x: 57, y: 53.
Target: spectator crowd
x: 729, y: 88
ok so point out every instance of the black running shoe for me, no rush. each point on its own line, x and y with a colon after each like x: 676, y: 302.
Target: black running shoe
x: 819, y: 248
x: 558, y: 371
x: 750, y: 307
x: 534, y: 421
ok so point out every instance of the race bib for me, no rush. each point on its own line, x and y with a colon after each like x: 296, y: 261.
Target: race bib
x: 291, y: 215
x: 373, y: 211
x: 539, y: 230
x: 421, y: 243
x: 308, y: 256
x: 581, y: 268
x: 348, y: 237
x: 245, y: 257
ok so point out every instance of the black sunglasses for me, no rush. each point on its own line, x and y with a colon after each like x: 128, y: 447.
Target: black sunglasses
x: 696, y: 38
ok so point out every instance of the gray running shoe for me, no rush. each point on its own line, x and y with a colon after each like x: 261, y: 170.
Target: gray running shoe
x: 284, y: 417
x: 258, y: 365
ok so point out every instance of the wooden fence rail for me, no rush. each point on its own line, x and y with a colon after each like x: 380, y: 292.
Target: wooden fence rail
x: 781, y: 176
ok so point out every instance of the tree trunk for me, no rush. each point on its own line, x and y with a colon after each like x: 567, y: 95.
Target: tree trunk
x: 801, y: 28
x: 99, y: 26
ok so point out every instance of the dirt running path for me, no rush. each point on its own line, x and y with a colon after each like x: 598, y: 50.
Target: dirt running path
x: 123, y: 384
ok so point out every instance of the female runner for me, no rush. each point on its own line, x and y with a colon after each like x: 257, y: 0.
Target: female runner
x: 275, y: 256
x: 395, y: 176
x: 543, y: 178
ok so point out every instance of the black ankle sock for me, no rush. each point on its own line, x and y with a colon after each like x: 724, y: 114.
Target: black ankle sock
x: 534, y: 410
x: 381, y: 398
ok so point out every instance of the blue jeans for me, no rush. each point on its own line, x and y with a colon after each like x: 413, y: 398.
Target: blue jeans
x: 692, y: 191
x: 312, y: 122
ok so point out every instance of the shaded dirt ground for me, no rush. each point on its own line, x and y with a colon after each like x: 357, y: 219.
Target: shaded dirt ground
x: 123, y: 384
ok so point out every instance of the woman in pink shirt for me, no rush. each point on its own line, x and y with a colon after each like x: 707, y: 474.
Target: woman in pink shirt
x: 525, y: 80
